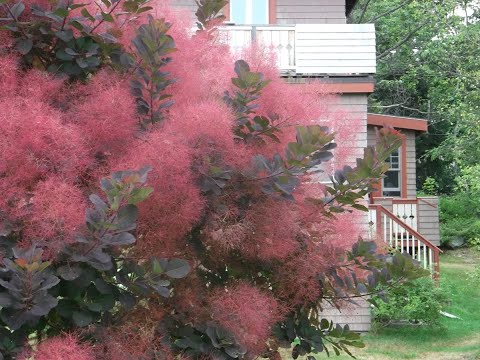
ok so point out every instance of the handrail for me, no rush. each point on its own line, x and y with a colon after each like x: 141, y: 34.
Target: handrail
x: 434, y: 264
x: 405, y: 226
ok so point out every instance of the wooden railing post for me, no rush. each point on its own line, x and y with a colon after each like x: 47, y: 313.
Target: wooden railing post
x: 436, y: 268
x: 378, y: 214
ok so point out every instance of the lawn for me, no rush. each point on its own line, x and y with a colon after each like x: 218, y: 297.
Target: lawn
x: 455, y: 339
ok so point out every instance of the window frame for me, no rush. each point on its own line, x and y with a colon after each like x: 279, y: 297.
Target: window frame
x: 399, y: 170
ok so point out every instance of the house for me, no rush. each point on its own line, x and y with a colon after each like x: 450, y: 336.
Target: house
x: 313, y: 40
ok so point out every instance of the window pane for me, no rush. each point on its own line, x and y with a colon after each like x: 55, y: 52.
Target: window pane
x: 392, y: 193
x: 391, y: 180
x: 249, y: 11
x: 238, y: 11
x: 260, y: 12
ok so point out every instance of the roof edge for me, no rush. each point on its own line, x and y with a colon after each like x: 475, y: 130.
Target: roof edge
x: 400, y: 122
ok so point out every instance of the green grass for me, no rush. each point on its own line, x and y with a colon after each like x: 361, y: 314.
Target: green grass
x: 455, y: 339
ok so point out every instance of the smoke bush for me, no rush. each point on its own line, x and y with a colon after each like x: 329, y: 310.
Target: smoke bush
x: 65, y: 347
x: 106, y: 115
x: 248, y: 313
x: 55, y: 216
x: 231, y: 187
x: 175, y: 205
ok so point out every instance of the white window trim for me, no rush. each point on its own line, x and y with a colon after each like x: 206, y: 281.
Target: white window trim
x: 399, y: 171
x: 249, y: 13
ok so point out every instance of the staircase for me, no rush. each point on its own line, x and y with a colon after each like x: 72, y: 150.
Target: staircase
x: 398, y: 233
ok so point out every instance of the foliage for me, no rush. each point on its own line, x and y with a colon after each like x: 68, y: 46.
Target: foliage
x: 459, y: 220
x: 233, y: 237
x: 152, y: 45
x: 452, y: 336
x: 419, y: 302
x: 91, y: 277
x: 427, y: 68
x: 430, y: 186
x: 248, y: 126
x: 208, y: 13
x: 67, y: 37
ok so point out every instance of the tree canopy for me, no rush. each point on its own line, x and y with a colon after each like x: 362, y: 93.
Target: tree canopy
x: 427, y: 68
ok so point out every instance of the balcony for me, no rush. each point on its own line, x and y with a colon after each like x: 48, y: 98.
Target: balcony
x: 311, y: 50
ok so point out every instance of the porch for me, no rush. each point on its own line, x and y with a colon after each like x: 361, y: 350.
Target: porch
x: 311, y: 49
x: 409, y: 225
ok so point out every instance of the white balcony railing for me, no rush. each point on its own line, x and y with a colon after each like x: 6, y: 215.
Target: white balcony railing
x: 322, y: 49
x: 389, y: 228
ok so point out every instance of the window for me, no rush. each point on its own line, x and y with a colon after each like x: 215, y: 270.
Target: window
x: 392, y: 182
x: 249, y: 11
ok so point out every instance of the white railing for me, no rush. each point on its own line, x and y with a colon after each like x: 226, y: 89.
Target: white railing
x: 279, y: 39
x: 306, y: 49
x: 407, y: 212
x: 387, y: 227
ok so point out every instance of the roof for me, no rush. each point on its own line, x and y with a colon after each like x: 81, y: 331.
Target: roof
x: 400, y: 122
x: 349, y: 5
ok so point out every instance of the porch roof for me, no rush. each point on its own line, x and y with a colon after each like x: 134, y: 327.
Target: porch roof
x: 400, y: 122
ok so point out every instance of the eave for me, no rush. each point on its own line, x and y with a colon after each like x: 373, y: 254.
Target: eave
x: 399, y: 122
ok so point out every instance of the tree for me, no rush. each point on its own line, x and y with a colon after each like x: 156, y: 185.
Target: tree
x: 217, y: 244
x: 426, y: 69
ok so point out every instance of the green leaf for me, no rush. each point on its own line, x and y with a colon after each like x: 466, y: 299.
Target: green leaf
x: 64, y: 35
x: 82, y: 318
x: 127, y: 217
x: 177, y: 268
x: 139, y: 194
x: 77, y: 25
x: 107, y: 17
x: 144, y: 9
x: 85, y: 13
x: 63, y: 13
x: 161, y: 290
x: 82, y: 63
x: 5, y: 300
x: 23, y: 46
x: 124, y: 238
x: 62, y: 55
x: 69, y: 272
x: 17, y: 9
x: 43, y: 303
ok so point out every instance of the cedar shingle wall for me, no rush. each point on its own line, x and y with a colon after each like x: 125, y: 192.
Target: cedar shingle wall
x: 296, y: 11
x: 311, y: 12
x: 357, y: 317
x: 411, y: 164
x: 429, y: 224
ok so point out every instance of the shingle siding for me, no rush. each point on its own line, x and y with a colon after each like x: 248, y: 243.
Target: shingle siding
x: 311, y: 12
x: 358, y: 317
x: 411, y: 164
x: 295, y: 11
x: 429, y: 224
